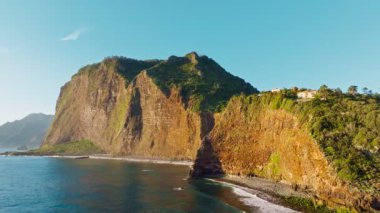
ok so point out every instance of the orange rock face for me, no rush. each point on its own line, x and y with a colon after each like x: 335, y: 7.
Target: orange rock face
x: 271, y: 144
x: 131, y: 115
x: 135, y: 120
x: 159, y: 126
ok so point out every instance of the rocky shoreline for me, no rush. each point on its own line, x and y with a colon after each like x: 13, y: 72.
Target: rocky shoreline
x: 105, y: 157
x: 142, y: 160
x: 267, y: 186
x: 271, y: 191
x: 275, y: 192
x: 254, y: 183
x: 250, y: 185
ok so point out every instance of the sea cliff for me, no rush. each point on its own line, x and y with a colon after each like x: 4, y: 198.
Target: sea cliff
x: 146, y: 108
x: 190, y: 108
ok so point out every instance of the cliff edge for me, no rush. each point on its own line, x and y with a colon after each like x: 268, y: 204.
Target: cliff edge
x: 154, y: 108
x: 190, y: 108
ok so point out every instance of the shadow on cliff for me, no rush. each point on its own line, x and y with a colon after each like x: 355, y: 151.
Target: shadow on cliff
x: 133, y: 125
x: 207, y: 163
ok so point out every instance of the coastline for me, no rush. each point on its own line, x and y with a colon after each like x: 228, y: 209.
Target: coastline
x: 135, y: 159
x: 242, y: 198
x: 266, y: 186
x: 251, y: 189
x: 142, y: 160
x: 256, y: 197
x: 275, y: 193
x: 255, y: 183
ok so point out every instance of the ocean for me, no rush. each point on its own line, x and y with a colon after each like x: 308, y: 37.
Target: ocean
x: 42, y: 184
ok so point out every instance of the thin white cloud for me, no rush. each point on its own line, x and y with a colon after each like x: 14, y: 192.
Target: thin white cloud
x: 74, y: 35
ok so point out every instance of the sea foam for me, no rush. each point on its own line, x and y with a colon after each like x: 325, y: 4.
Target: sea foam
x: 251, y: 199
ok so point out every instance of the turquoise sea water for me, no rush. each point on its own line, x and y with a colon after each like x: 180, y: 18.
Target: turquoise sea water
x: 40, y: 184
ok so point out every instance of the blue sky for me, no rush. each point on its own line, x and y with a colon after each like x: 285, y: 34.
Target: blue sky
x: 270, y: 43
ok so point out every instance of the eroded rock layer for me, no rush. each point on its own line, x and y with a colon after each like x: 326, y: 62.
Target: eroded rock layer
x: 177, y: 109
x: 272, y: 144
x: 143, y: 108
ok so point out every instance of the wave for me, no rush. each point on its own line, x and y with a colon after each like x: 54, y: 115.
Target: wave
x: 249, y: 198
x: 178, y: 189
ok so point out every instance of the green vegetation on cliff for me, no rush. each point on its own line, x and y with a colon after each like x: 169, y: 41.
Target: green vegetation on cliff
x: 203, y: 84
x: 126, y: 67
x: 308, y: 205
x: 346, y: 127
x: 84, y: 147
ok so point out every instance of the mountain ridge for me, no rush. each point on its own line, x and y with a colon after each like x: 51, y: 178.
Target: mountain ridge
x: 113, y: 102
x: 27, y: 132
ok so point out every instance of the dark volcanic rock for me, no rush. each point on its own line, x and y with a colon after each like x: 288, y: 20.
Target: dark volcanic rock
x: 207, y: 163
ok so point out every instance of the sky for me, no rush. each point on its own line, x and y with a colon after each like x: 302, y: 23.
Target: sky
x: 271, y: 43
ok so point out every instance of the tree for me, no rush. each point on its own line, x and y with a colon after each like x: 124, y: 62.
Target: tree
x: 377, y: 96
x: 295, y: 89
x: 353, y: 90
x: 338, y: 91
x: 324, y: 91
x: 365, y: 90
x: 324, y: 87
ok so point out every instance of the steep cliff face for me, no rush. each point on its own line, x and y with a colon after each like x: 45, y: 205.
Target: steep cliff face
x: 91, y: 106
x: 157, y: 125
x: 252, y: 139
x: 144, y: 108
x: 181, y: 108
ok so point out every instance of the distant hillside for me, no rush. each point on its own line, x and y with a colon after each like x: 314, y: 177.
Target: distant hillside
x: 28, y: 132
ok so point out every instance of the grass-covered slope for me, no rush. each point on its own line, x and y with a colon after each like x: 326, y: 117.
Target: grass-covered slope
x: 84, y: 147
x: 203, y: 84
x: 346, y: 127
x: 126, y: 67
x: 105, y: 102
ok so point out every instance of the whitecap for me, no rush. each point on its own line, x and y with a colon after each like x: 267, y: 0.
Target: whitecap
x: 251, y: 199
x: 178, y: 189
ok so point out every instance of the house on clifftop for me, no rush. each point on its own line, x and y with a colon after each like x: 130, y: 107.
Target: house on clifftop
x: 275, y: 90
x: 307, y: 94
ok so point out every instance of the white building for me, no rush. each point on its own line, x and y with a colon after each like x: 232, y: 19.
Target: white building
x: 307, y: 94
x: 276, y: 90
